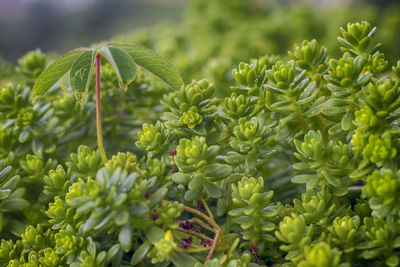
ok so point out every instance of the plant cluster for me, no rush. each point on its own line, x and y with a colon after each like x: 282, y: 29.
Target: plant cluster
x: 215, y: 36
x: 297, y: 165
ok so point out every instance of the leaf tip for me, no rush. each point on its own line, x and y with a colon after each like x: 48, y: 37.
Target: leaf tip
x: 35, y: 98
x: 80, y: 98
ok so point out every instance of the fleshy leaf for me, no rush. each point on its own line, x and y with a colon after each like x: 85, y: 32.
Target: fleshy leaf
x: 81, y: 74
x: 54, y: 72
x: 125, y: 237
x: 212, y: 190
x: 183, y: 260
x: 140, y: 253
x: 123, y: 64
x: 155, y: 64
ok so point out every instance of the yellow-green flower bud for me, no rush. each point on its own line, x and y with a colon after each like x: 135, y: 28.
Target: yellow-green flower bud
x: 247, y: 187
x: 163, y: 249
x: 32, y: 63
x: 379, y: 149
x: 152, y: 138
x: 127, y: 161
x: 291, y: 229
x: 344, y: 230
x: 48, y: 257
x: 320, y: 255
x: 191, y: 118
x: 26, y: 116
x: 167, y: 213
x: 192, y: 154
x: 365, y: 118
x: 383, y: 184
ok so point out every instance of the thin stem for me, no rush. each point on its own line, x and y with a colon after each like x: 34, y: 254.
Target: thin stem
x: 98, y: 111
x: 212, y: 221
x: 203, y: 236
x: 192, y: 250
x: 213, y: 246
x: 299, y: 114
x: 207, y: 208
x: 198, y: 213
x: 199, y: 222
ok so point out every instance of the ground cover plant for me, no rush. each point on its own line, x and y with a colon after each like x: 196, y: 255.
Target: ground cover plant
x: 298, y: 165
x: 215, y: 36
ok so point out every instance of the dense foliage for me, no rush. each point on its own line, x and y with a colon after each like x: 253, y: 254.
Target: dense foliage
x: 296, y: 165
x: 217, y: 35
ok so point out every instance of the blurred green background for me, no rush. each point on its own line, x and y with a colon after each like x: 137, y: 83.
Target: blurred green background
x: 204, y: 38
x: 65, y: 24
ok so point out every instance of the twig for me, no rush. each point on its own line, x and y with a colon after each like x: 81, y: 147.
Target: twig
x: 192, y: 250
x: 213, y: 246
x: 198, y: 213
x: 199, y: 222
x: 194, y: 233
x: 207, y: 208
x: 98, y: 112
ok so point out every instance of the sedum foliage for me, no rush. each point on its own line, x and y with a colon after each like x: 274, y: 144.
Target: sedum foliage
x: 296, y: 166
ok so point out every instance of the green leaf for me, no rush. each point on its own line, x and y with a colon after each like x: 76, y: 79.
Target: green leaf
x: 223, y: 203
x: 81, y: 74
x: 212, y: 190
x: 91, y: 247
x: 4, y: 193
x: 234, y: 177
x: 100, y: 258
x: 347, y: 121
x: 339, y: 191
x: 196, y: 182
x: 357, y: 174
x: 116, y: 261
x: 232, y: 263
x: 183, y: 260
x: 154, y: 63
x: 396, y: 243
x: 14, y: 204
x: 154, y: 234
x: 336, y: 129
x: 217, y: 171
x: 392, y: 261
x: 125, y: 237
x: 2, y: 221
x: 140, y: 253
x: 236, y: 212
x: 24, y: 136
x: 310, y: 180
x: 251, y: 160
x: 158, y: 196
x: 54, y: 72
x: 331, y: 179
x: 111, y: 253
x: 4, y: 173
x: 11, y: 183
x: 234, y: 158
x: 180, y: 178
x: 192, y: 194
x: 123, y: 64
x: 121, y: 218
x: 16, y: 227
x: 370, y: 254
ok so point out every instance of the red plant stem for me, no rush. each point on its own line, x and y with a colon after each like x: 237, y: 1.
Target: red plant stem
x: 213, y: 246
x: 193, y: 233
x: 194, y: 211
x: 98, y: 111
x: 200, y: 222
